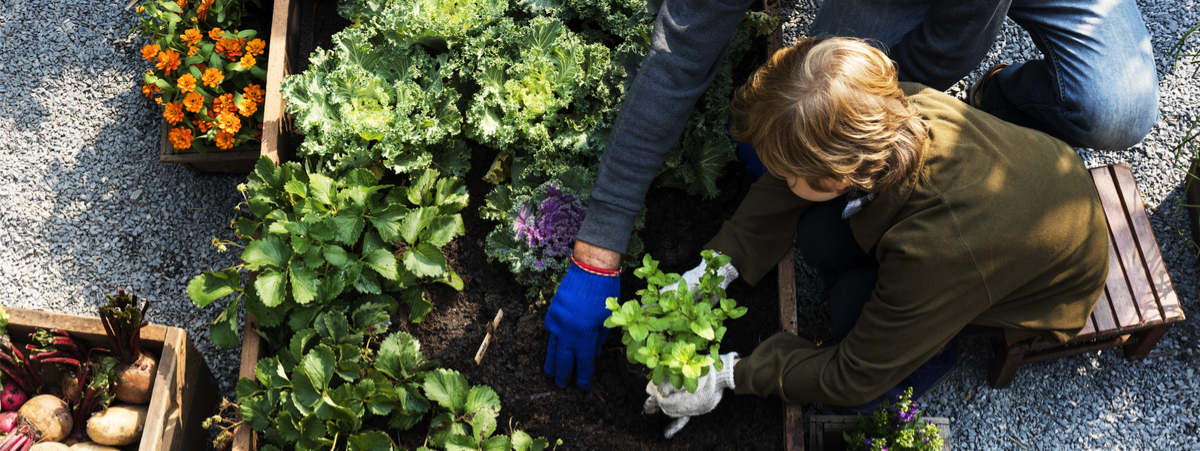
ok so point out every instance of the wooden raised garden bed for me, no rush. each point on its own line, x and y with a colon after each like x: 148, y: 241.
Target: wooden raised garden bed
x: 184, y: 391
x: 277, y: 125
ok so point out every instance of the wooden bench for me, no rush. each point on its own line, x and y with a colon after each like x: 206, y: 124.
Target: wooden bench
x: 1139, y: 303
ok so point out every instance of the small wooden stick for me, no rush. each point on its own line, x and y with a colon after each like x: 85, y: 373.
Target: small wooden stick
x: 487, y: 339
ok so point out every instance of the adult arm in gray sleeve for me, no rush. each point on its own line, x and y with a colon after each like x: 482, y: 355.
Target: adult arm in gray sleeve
x: 686, y: 49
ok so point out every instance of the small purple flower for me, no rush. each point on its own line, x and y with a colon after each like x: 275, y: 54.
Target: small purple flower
x: 539, y: 264
x: 925, y: 439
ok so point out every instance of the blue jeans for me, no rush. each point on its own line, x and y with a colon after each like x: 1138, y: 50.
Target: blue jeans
x: 1097, y: 86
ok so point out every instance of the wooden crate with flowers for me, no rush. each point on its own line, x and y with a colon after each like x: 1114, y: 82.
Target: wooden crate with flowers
x: 209, y: 76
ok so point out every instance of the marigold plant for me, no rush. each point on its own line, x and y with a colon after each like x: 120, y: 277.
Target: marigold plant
x: 206, y: 71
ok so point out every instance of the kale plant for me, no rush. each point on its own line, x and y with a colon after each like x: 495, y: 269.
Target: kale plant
x: 315, y: 237
x: 895, y: 427
x: 666, y: 331
x: 371, y: 99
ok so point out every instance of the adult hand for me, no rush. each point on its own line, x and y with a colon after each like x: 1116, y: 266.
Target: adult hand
x: 681, y: 405
x: 575, y: 321
x: 692, y: 277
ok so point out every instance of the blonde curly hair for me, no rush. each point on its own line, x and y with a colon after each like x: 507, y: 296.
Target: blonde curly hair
x: 830, y: 108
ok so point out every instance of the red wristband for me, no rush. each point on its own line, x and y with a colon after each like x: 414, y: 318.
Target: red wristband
x: 595, y: 270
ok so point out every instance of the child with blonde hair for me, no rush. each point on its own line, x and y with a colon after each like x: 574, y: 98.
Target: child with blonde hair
x: 924, y: 216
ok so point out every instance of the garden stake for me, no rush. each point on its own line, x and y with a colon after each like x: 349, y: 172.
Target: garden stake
x: 487, y: 339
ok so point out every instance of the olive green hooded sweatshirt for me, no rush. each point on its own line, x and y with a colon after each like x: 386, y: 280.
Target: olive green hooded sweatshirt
x: 997, y: 226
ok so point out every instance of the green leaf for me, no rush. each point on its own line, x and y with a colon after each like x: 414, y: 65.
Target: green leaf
x: 702, y: 328
x: 304, y: 284
x: 267, y: 252
x: 419, y: 189
x: 452, y: 279
x: 448, y: 388
x: 210, y: 286
x: 383, y: 262
x: 418, y: 304
x: 451, y: 196
x: 297, y: 188
x: 443, y: 229
x: 336, y: 255
x: 256, y: 411
x: 272, y: 287
x: 369, y: 441
x: 497, y: 443
x: 348, y: 225
x: 415, y: 221
x: 322, y: 189
x: 246, y: 227
x: 483, y: 405
x: 521, y: 441
x: 425, y: 260
x: 224, y: 331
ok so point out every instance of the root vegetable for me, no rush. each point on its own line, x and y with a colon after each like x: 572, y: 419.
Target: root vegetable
x: 90, y: 446
x: 135, y: 383
x: 13, y: 397
x: 8, y: 421
x: 44, y: 418
x: 118, y: 425
x: 50, y: 446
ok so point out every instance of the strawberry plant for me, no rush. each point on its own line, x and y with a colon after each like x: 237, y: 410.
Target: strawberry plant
x: 668, y: 331
x: 314, y: 237
x: 332, y: 385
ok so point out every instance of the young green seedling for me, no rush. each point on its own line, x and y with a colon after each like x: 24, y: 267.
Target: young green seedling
x: 668, y: 331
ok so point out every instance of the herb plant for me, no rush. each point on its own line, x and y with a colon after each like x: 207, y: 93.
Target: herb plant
x: 207, y: 74
x: 315, y: 237
x: 665, y: 331
x: 895, y: 427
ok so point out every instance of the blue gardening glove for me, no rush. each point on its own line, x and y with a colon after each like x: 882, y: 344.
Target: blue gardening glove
x: 576, y: 324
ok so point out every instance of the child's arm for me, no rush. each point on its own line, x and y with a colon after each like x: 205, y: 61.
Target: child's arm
x: 762, y: 228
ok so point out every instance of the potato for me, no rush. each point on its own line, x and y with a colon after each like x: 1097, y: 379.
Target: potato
x: 118, y: 425
x: 50, y: 446
x: 89, y: 446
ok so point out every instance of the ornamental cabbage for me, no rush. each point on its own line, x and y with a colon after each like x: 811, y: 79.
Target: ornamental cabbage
x: 537, y: 230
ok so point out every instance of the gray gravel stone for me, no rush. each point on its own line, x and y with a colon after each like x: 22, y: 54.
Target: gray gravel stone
x: 1095, y: 400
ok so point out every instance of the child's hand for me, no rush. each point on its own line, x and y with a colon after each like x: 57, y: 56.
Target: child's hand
x: 692, y: 277
x: 681, y: 405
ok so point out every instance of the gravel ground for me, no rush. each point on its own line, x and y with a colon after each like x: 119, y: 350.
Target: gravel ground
x: 1094, y: 400
x: 86, y: 208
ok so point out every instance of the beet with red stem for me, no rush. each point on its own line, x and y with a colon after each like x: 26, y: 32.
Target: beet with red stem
x: 136, y: 371
x: 22, y: 371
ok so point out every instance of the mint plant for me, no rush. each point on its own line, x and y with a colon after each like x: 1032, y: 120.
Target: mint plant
x: 314, y: 237
x: 895, y: 427
x: 667, y: 331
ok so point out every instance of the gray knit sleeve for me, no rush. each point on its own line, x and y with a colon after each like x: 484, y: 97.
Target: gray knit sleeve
x: 686, y: 49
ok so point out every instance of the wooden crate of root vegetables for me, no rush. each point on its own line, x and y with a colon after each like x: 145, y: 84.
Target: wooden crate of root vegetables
x: 181, y: 393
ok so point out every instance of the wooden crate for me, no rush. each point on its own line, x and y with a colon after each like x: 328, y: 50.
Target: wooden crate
x: 1193, y: 198
x: 277, y: 125
x: 184, y: 391
x: 825, y: 431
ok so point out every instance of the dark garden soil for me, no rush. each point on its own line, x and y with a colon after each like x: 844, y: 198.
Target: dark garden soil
x: 609, y: 416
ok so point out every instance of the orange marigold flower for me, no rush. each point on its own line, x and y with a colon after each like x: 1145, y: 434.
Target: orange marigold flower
x: 224, y: 140
x: 202, y: 10
x: 232, y: 48
x: 140, y: 9
x: 203, y: 125
x: 168, y: 61
x: 173, y: 112
x: 193, y: 102
x: 248, y: 60
x: 229, y: 122
x: 181, y: 3
x: 191, y: 36
x: 181, y: 138
x: 254, y: 92
x: 186, y: 83
x: 149, y: 89
x: 158, y: 100
x: 215, y: 34
x: 247, y: 107
x: 212, y: 77
x: 150, y: 51
x: 256, y: 47
x: 192, y: 51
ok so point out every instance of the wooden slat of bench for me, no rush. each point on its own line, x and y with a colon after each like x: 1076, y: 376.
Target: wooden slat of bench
x: 1126, y: 288
x: 1089, y: 327
x: 1168, y: 301
x: 793, y: 416
x: 1135, y: 214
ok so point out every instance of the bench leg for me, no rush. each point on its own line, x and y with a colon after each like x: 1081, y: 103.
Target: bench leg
x: 1004, y: 367
x: 1146, y: 341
